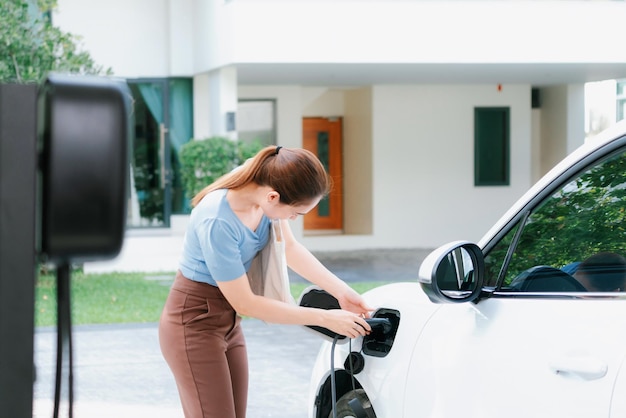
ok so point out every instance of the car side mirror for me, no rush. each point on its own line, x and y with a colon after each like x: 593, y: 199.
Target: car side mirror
x: 453, y: 273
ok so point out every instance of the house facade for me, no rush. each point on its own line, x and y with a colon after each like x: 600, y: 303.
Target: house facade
x: 433, y: 117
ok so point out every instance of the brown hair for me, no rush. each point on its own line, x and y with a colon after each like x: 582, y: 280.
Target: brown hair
x: 295, y: 173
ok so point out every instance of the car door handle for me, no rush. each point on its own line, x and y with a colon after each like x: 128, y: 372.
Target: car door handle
x: 582, y: 366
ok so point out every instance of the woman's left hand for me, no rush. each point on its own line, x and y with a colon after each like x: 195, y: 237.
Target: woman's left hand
x: 353, y: 302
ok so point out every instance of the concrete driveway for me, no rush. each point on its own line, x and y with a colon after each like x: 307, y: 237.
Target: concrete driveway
x: 119, y: 372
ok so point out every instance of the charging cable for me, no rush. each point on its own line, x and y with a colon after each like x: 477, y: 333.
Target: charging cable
x: 384, y: 324
x: 332, y: 376
x: 64, y: 337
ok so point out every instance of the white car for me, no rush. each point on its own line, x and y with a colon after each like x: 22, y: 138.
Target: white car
x: 513, y: 326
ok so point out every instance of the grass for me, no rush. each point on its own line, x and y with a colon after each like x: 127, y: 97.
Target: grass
x: 119, y: 297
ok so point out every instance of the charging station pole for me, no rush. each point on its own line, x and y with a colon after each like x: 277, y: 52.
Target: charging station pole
x: 18, y: 168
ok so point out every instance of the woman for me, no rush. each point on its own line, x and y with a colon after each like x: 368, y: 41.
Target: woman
x: 199, y: 330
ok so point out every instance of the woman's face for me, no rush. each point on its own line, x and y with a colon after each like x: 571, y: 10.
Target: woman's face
x: 277, y: 210
x: 293, y: 212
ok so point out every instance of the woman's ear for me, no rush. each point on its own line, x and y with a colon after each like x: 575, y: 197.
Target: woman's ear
x: 273, y: 196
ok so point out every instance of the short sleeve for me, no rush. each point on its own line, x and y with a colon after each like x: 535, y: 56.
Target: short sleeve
x: 220, y: 246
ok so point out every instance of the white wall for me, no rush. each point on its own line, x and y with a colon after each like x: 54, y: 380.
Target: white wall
x: 213, y: 26
x: 575, y: 117
x: 158, y: 38
x: 562, y: 123
x: 180, y: 37
x: 600, y: 99
x: 424, y: 193
x: 535, y: 157
x: 358, y: 162
x: 322, y: 102
x: 201, y: 106
x: 554, y: 137
x: 412, y: 31
x: 138, y: 38
x: 422, y: 158
x: 223, y: 99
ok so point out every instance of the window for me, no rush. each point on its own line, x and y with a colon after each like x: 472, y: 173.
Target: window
x: 491, y: 146
x: 583, y: 218
x: 163, y: 123
x: 256, y: 121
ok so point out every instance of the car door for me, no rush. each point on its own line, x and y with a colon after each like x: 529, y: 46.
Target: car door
x: 540, y: 344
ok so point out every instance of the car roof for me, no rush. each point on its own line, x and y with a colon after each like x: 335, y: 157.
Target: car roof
x: 590, y: 146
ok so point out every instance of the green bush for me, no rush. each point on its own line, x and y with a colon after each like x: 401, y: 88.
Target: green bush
x: 204, y: 161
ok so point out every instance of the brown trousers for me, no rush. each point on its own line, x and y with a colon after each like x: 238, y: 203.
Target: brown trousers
x: 203, y: 344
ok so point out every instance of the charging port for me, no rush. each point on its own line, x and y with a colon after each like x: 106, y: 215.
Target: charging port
x: 379, y: 342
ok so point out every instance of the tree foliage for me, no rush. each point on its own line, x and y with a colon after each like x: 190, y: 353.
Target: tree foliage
x: 585, y: 217
x: 30, y: 46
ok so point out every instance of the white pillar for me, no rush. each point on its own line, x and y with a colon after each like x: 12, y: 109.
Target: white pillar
x: 201, y: 106
x: 214, y: 98
x: 575, y: 116
x: 223, y: 102
x: 562, y: 122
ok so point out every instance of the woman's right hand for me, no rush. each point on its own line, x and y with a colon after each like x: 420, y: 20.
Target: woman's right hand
x: 345, y: 323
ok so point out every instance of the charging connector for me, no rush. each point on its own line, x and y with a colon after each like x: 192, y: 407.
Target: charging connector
x: 379, y: 324
x: 385, y: 324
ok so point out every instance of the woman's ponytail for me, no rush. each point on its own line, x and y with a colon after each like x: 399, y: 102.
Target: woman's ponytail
x: 295, y: 173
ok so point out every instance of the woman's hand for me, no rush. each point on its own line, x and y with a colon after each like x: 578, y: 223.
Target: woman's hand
x: 351, y: 301
x: 345, y: 323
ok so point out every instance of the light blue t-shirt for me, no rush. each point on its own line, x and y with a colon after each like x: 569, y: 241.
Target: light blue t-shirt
x: 218, y: 246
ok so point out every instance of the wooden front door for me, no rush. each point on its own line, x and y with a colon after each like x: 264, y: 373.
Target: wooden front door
x: 322, y: 136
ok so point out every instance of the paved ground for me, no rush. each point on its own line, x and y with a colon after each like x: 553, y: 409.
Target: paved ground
x: 119, y: 371
x: 373, y: 265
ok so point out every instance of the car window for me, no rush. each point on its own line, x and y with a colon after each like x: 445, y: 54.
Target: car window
x: 574, y: 240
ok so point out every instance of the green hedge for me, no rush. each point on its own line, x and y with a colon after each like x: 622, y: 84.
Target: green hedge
x: 205, y: 160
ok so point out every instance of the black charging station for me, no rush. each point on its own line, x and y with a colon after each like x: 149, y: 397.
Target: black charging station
x: 83, y: 133
x: 18, y: 166
x: 64, y: 155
